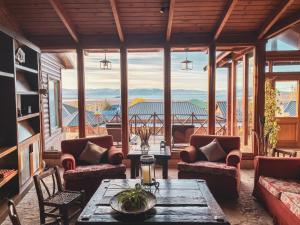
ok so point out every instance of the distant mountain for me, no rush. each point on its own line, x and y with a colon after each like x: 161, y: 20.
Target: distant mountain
x: 154, y: 93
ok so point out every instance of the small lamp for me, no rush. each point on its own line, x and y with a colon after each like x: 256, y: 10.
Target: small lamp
x: 148, y: 170
x: 186, y: 64
x: 105, y: 64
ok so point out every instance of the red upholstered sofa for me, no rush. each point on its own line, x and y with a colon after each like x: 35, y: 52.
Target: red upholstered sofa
x: 223, y: 178
x: 80, y: 176
x: 277, y: 186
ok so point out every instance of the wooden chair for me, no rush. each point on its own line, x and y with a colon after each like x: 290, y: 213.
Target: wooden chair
x: 57, y: 203
x: 277, y: 152
x: 14, y: 218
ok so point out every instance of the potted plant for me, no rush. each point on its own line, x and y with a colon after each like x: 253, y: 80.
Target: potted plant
x: 144, y: 133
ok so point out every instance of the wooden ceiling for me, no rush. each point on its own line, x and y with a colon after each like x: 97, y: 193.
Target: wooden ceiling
x: 100, y: 23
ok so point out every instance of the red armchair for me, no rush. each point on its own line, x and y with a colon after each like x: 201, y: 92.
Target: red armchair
x: 283, y: 175
x: 223, y: 178
x: 80, y: 176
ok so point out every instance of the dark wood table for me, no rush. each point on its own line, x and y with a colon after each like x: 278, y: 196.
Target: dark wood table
x: 178, y: 202
x: 161, y: 157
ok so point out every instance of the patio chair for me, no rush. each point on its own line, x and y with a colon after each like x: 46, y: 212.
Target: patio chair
x: 181, y: 133
x: 56, y: 203
x: 14, y: 217
x: 115, y: 130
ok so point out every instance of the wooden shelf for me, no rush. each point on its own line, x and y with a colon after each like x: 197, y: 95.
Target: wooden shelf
x: 30, y: 140
x: 7, y: 150
x: 8, y: 178
x: 19, y: 67
x: 27, y: 93
x: 4, y: 74
x: 29, y: 116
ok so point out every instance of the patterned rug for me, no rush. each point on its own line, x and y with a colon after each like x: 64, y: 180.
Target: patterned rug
x: 245, y: 211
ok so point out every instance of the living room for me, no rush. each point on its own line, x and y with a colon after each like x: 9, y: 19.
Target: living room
x: 149, y: 112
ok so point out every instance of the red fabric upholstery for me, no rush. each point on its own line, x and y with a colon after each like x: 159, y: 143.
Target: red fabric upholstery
x: 279, y: 168
x: 223, y: 178
x: 79, y: 176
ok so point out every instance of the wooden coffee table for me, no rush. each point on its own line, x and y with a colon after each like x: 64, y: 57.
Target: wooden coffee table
x: 161, y: 156
x: 178, y: 202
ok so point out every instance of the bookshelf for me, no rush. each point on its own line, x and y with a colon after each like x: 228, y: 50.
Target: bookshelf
x: 20, y: 123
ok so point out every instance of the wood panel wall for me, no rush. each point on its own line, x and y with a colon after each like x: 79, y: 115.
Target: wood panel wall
x: 50, y: 68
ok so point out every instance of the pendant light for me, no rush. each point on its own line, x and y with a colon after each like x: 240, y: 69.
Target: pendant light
x: 105, y: 64
x: 186, y: 64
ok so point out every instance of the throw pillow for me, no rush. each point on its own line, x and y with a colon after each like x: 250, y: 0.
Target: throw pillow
x: 92, y: 153
x: 213, y: 151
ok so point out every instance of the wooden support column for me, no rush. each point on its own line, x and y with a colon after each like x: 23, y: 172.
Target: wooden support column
x: 81, y: 91
x: 211, y: 89
x: 233, y: 97
x: 229, y: 99
x: 259, y: 87
x: 245, y: 98
x: 124, y: 100
x: 167, y: 94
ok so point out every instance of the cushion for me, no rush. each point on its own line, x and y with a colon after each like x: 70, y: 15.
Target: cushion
x: 92, y: 153
x: 276, y: 186
x: 94, y: 171
x: 205, y: 167
x: 213, y: 151
x: 292, y: 202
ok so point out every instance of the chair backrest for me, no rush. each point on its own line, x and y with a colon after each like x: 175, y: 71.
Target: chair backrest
x: 182, y: 132
x: 46, y: 189
x: 12, y: 212
x: 228, y: 143
x: 115, y: 130
x: 76, y: 146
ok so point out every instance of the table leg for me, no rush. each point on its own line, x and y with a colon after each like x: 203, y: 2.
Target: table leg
x: 165, y: 169
x: 133, y: 168
x: 137, y: 168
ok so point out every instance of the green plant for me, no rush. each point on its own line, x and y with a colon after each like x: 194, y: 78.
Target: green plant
x: 271, y: 127
x: 133, y: 199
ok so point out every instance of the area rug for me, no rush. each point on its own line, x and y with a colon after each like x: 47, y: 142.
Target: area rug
x: 245, y: 211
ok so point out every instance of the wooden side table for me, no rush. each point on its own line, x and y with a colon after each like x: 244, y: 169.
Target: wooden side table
x: 162, y: 157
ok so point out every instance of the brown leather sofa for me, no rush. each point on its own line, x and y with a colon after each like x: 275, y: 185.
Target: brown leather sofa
x: 80, y: 176
x: 223, y: 178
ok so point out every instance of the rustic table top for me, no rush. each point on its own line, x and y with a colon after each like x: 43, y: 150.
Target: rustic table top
x: 154, y: 150
x: 178, y: 202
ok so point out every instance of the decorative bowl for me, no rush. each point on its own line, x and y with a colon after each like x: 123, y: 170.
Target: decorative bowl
x: 118, y: 207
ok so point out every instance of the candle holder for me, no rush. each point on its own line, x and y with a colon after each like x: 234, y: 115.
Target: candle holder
x: 147, y: 163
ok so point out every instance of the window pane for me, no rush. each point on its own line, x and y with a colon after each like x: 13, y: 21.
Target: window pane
x: 250, y: 102
x: 189, y: 97
x: 239, y: 99
x: 221, y: 100
x: 287, y: 98
x: 103, y: 96
x: 53, y: 104
x: 146, y: 95
x: 286, y: 67
x: 70, y: 102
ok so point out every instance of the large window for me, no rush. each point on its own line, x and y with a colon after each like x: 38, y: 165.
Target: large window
x: 103, y: 95
x: 221, y: 101
x: 239, y: 99
x: 287, y: 96
x: 70, y: 116
x: 146, y: 95
x: 54, y: 95
x: 189, y: 97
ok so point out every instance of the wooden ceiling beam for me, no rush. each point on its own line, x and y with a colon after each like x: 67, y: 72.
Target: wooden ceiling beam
x: 62, y: 14
x: 221, y: 24
x: 280, y: 10
x: 170, y: 20
x: 8, y: 20
x: 283, y: 25
x: 117, y: 19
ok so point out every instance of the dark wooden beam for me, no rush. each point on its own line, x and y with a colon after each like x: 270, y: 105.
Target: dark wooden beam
x: 221, y: 24
x: 170, y: 19
x: 283, y: 56
x: 81, y: 91
x: 124, y: 100
x: 245, y: 98
x: 8, y: 20
x: 233, y: 98
x: 283, y: 25
x: 117, y: 19
x: 259, y: 88
x: 211, y: 89
x: 280, y: 10
x: 167, y: 94
x: 229, y: 99
x: 62, y: 14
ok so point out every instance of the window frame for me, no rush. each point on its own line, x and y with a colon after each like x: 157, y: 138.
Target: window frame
x: 57, y: 91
